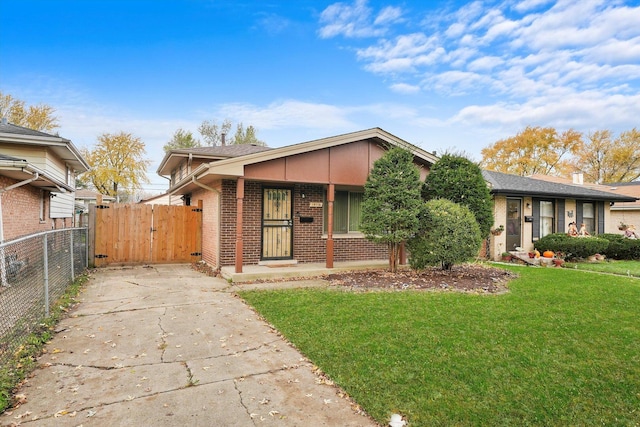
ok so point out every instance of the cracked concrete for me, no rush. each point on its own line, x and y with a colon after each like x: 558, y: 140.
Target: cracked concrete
x: 165, y: 346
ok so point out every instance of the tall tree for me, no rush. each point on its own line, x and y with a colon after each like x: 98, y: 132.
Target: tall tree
x: 36, y: 117
x: 391, y: 202
x: 117, y: 164
x: 460, y: 180
x: 247, y: 136
x: 212, y: 132
x: 606, y: 160
x: 181, y: 139
x: 535, y: 150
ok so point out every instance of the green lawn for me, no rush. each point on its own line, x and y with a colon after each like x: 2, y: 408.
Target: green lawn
x: 561, y: 348
x: 625, y: 268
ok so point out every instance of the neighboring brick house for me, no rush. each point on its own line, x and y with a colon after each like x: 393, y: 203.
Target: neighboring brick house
x: 299, y: 203
x: 37, y: 181
x: 529, y: 209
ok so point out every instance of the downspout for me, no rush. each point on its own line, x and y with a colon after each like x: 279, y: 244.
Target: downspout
x: 3, y: 260
x: 206, y: 187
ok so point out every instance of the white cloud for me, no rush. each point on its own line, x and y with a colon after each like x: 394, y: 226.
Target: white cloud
x: 356, y: 20
x: 388, y: 15
x: 528, y: 5
x: 287, y: 113
x: 578, y: 110
x: 404, y: 88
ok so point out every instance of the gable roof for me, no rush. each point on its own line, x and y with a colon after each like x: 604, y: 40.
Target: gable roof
x: 63, y: 148
x: 86, y: 194
x: 514, y: 185
x: 174, y: 157
x: 233, y: 167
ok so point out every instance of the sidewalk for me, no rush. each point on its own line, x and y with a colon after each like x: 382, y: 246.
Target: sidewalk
x: 167, y: 346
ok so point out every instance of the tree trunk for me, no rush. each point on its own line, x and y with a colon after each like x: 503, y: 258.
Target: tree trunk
x: 393, y: 257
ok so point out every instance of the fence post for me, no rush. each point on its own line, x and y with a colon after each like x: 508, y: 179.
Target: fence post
x: 46, y: 277
x: 71, y: 251
x: 86, y: 247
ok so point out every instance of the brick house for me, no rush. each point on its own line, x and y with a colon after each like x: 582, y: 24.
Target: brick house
x: 529, y: 208
x: 299, y: 203
x: 37, y: 181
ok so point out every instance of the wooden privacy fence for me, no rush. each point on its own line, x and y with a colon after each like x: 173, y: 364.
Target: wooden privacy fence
x: 144, y: 234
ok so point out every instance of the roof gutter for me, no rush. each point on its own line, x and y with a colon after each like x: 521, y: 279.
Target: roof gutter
x: 27, y: 167
x: 16, y: 185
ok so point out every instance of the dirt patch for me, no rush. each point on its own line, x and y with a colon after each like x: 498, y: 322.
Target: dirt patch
x: 462, y: 278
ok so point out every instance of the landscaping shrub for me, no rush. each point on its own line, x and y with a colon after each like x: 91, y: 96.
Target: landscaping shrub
x: 460, y: 180
x: 449, y: 234
x: 572, y: 247
x: 621, y: 247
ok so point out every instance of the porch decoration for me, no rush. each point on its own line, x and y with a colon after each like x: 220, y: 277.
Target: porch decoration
x: 498, y: 230
x: 622, y: 226
x: 548, y: 254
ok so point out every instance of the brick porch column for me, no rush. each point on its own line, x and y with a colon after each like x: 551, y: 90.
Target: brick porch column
x: 330, y: 199
x: 239, y: 212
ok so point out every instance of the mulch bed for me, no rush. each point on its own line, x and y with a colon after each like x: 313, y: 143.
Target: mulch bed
x: 463, y: 278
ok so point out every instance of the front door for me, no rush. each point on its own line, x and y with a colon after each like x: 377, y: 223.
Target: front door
x: 514, y: 224
x: 277, y: 223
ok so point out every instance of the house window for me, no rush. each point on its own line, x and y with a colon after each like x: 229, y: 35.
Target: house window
x: 546, y: 218
x: 347, y: 210
x: 589, y: 217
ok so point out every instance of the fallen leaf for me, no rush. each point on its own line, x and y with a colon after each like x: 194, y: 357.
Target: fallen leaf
x: 273, y: 413
x: 90, y: 413
x: 264, y: 401
x: 60, y: 413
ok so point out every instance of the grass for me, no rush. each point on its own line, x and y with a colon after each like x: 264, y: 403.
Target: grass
x: 561, y: 348
x: 625, y: 268
x: 24, y: 360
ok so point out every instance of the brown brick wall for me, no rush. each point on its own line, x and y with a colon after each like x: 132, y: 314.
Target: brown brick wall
x: 308, y: 242
x: 210, y: 218
x: 21, y: 211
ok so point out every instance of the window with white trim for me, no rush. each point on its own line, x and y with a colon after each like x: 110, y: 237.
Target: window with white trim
x: 589, y: 217
x: 546, y: 218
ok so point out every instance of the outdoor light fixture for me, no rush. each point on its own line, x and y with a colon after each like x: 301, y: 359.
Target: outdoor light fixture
x: 528, y: 205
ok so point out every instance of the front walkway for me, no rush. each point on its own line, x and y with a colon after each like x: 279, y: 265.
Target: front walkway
x: 277, y: 270
x: 164, y: 345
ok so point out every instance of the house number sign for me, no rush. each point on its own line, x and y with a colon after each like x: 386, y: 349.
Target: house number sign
x: 315, y: 204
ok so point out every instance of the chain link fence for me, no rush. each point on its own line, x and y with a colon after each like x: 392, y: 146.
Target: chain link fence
x: 34, y: 272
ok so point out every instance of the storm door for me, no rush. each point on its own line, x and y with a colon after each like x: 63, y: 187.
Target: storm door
x: 514, y: 224
x: 277, y: 224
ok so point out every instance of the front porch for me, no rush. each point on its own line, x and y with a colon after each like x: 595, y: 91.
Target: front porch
x: 284, y: 270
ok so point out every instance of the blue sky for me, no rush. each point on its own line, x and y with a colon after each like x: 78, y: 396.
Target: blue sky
x: 444, y: 75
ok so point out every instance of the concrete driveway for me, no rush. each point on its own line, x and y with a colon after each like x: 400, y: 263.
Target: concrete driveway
x: 167, y: 346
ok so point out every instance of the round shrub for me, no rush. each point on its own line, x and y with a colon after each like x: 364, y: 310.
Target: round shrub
x: 572, y: 247
x: 448, y: 234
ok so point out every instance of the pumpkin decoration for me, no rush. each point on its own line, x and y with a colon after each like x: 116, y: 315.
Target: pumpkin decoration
x: 548, y: 254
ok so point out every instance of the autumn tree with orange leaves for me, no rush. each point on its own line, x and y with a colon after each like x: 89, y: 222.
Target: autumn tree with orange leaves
x: 117, y: 165
x: 36, y: 117
x: 535, y: 150
x: 605, y: 159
